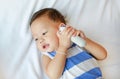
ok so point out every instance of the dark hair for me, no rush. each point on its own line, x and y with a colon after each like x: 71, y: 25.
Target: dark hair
x: 52, y: 13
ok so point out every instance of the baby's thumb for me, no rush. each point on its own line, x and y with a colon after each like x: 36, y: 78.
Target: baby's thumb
x: 58, y: 33
x: 82, y: 35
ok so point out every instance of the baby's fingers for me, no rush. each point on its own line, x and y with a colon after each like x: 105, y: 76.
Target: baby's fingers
x: 71, y: 32
x: 81, y: 34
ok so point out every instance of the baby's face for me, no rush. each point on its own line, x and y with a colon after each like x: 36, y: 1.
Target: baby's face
x: 44, y: 32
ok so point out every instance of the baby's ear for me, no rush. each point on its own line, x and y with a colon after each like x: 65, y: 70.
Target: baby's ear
x: 61, y: 24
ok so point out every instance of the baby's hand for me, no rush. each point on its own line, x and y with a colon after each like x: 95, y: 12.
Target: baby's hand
x: 65, y: 37
x: 79, y: 33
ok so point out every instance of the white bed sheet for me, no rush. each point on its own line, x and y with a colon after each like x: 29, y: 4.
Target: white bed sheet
x: 19, y: 58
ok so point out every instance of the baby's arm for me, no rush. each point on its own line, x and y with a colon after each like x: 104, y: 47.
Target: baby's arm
x: 55, y: 67
x: 94, y: 48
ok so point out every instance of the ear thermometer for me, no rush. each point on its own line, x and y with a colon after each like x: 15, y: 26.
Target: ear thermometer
x: 76, y: 39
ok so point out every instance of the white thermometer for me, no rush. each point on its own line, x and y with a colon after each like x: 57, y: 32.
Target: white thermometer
x: 76, y: 39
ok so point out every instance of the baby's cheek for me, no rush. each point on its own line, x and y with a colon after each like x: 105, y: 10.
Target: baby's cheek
x: 56, y: 45
x: 39, y: 47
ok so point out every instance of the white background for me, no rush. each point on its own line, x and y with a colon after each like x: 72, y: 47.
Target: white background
x: 19, y: 58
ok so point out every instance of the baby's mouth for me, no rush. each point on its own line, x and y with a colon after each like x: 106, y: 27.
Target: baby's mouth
x: 45, y: 46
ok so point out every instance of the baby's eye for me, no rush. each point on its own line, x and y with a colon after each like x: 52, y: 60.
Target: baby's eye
x: 36, y: 39
x: 44, y: 33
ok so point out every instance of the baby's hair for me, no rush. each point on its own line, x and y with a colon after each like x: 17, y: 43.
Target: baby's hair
x: 52, y: 13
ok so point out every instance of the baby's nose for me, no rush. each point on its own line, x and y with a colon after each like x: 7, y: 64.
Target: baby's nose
x: 41, y: 40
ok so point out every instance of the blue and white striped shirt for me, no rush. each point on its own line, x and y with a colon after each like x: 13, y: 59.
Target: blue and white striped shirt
x: 79, y: 64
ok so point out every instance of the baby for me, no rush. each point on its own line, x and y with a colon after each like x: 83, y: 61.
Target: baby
x: 60, y: 58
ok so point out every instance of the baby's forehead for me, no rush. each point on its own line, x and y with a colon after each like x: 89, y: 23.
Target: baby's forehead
x: 44, y: 23
x: 41, y: 22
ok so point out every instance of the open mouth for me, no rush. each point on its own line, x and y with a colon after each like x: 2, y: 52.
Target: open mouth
x: 45, y: 46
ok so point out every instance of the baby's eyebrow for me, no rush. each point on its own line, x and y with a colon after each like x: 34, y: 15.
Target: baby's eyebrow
x: 34, y: 35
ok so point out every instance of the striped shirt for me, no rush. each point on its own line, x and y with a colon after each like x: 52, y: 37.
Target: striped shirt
x: 79, y: 64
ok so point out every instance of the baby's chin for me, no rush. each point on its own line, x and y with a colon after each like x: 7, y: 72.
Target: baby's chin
x: 47, y: 50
